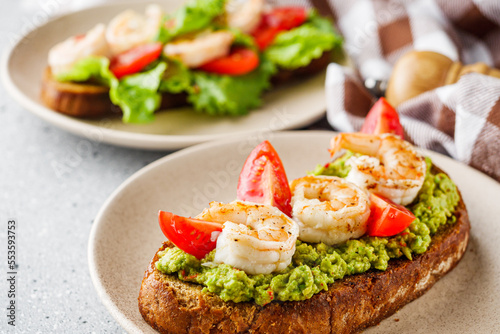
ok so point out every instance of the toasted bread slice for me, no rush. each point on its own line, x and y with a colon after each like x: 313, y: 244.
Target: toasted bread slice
x: 84, y: 100
x: 351, y: 304
x: 78, y: 100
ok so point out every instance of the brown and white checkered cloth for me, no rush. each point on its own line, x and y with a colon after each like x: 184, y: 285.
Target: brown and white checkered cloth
x: 461, y: 120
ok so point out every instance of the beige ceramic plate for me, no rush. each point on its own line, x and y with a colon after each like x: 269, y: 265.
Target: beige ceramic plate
x: 287, y: 107
x: 126, y: 234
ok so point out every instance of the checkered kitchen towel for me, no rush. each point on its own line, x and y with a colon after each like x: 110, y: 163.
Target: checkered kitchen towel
x: 461, y: 120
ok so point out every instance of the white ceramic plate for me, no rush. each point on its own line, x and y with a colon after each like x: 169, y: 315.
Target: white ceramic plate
x: 287, y: 107
x: 126, y: 235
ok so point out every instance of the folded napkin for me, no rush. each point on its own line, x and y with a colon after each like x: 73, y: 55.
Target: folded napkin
x: 461, y: 120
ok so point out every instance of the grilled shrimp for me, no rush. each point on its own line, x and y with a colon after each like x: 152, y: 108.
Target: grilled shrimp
x: 329, y: 209
x: 130, y: 29
x: 202, y: 49
x: 245, y: 16
x: 389, y: 166
x: 258, y: 239
x: 64, y: 55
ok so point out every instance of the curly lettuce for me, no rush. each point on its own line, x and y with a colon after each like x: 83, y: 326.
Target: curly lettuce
x: 195, y: 15
x: 176, y: 79
x: 94, y: 69
x: 230, y: 95
x: 217, y: 94
x: 137, y: 95
x: 299, y: 46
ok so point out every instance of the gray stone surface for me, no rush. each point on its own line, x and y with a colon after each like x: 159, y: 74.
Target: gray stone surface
x: 53, y: 184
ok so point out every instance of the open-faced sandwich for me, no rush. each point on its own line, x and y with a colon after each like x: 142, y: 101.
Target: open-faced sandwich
x: 217, y: 55
x: 335, y: 251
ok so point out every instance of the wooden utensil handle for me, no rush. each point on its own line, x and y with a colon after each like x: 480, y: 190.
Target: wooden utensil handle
x: 420, y: 71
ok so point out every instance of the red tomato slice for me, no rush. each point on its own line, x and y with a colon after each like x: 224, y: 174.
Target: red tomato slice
x: 387, y: 218
x: 135, y: 59
x: 286, y: 17
x: 263, y: 179
x: 194, y: 236
x: 265, y: 35
x: 278, y: 20
x: 382, y: 118
x: 240, y: 61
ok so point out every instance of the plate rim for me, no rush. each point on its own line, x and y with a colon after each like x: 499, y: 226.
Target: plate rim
x: 105, y: 298
x: 111, y: 136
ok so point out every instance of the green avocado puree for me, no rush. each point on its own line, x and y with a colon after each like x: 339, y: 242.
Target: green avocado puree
x: 314, y: 266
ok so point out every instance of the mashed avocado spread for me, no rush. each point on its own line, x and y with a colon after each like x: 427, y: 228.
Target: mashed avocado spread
x: 314, y: 266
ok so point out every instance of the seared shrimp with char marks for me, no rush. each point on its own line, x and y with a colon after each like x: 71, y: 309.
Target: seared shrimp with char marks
x: 130, y: 29
x: 329, y: 209
x: 204, y: 48
x: 258, y: 239
x: 64, y: 55
x: 389, y: 166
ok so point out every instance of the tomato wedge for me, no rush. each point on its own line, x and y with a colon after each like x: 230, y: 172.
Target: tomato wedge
x: 135, y: 59
x: 382, y: 118
x: 263, y: 179
x: 387, y: 218
x: 264, y: 36
x: 240, y: 61
x: 286, y: 17
x: 278, y: 20
x: 194, y: 236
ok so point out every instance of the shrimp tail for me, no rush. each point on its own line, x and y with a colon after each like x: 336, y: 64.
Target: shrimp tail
x: 357, y: 142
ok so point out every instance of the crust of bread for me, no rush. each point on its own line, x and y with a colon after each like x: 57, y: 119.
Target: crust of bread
x: 92, y: 101
x: 356, y: 302
x: 88, y: 100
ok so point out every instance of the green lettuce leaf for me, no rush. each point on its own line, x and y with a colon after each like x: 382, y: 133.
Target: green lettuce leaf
x: 137, y: 94
x: 230, y: 95
x: 176, y: 79
x: 195, y: 15
x: 163, y: 35
x: 299, y: 46
x: 92, y: 68
x: 242, y: 39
